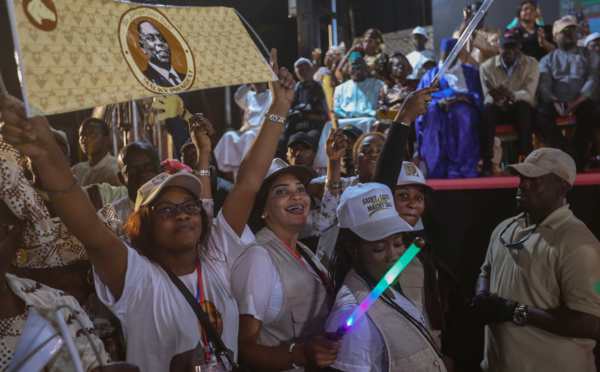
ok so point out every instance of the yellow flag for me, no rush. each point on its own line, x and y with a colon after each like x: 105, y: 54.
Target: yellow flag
x: 76, y: 54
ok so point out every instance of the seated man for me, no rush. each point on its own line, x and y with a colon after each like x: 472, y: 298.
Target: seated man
x: 254, y: 99
x: 568, y: 81
x: 483, y: 43
x: 302, y: 148
x: 309, y: 107
x: 420, y: 55
x: 94, y: 139
x: 448, y: 133
x: 355, y: 103
x: 357, y: 97
x: 509, y: 81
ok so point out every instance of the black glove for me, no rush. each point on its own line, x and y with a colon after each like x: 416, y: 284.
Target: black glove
x: 493, y: 309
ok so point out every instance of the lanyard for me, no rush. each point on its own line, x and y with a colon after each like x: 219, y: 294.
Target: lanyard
x: 200, y: 299
x: 325, y: 282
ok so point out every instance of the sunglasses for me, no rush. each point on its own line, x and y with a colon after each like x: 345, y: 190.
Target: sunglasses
x: 168, y: 210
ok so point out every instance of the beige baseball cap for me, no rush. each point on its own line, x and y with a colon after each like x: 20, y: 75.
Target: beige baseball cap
x: 564, y: 22
x: 545, y: 161
x: 150, y: 190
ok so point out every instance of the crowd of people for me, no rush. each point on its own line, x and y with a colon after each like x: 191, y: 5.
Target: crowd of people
x: 531, y: 77
x: 167, y: 266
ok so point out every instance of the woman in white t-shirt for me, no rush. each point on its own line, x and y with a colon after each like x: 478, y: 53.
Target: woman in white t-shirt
x: 282, y: 290
x: 169, y: 228
x: 369, y: 244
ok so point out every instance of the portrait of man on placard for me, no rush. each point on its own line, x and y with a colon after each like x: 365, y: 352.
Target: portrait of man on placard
x: 153, y: 43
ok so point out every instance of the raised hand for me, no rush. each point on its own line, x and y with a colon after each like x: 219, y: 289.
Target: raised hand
x: 200, y: 131
x: 282, y: 90
x: 336, y: 145
x: 415, y: 105
x: 32, y: 137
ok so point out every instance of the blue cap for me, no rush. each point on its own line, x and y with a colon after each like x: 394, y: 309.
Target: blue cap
x: 448, y: 44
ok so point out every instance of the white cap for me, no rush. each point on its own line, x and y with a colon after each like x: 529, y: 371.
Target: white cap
x: 368, y: 210
x: 420, y: 31
x: 301, y: 61
x: 590, y: 38
x: 410, y: 174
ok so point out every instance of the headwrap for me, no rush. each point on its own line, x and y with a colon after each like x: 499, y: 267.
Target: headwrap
x: 448, y: 44
x: 45, y: 242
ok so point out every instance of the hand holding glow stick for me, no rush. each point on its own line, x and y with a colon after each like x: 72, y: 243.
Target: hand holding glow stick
x: 383, y: 284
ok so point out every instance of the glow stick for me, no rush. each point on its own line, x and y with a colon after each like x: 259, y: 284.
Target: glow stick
x: 461, y: 42
x: 383, y: 284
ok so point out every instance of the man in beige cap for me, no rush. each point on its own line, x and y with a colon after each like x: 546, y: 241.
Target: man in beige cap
x: 539, y: 287
x: 567, y: 87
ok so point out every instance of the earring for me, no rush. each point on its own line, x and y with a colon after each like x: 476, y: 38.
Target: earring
x: 263, y: 216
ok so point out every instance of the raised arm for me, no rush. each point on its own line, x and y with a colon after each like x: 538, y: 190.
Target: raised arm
x: 33, y: 138
x: 200, y: 131
x: 256, y: 162
x: 389, y: 162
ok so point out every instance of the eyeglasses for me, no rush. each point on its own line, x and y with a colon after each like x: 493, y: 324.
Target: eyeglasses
x: 516, y: 245
x: 134, y: 170
x: 168, y: 210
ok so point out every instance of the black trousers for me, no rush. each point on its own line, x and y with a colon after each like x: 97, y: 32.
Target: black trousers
x: 520, y: 114
x: 586, y: 113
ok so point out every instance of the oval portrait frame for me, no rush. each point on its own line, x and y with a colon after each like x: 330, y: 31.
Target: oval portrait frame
x: 181, y: 53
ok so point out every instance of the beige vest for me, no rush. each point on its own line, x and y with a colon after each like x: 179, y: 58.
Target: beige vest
x: 304, y: 309
x: 407, y: 349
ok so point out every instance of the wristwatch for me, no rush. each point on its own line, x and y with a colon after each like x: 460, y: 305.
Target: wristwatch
x: 276, y: 118
x: 520, y: 315
x: 332, y: 185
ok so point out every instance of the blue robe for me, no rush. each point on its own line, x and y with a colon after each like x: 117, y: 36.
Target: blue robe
x: 449, y: 141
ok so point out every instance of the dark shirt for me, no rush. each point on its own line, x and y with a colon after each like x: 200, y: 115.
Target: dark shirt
x: 307, y: 100
x: 529, y: 42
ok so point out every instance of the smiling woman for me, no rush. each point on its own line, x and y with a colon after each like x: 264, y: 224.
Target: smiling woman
x: 281, y: 288
x: 169, y: 234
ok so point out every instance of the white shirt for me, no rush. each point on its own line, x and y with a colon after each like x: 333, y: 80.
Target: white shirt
x: 106, y: 170
x: 417, y: 59
x: 362, y: 348
x: 256, y: 284
x: 254, y: 104
x: 158, y: 322
x: 124, y: 208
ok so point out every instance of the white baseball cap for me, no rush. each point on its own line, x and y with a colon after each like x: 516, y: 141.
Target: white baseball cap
x: 410, y: 174
x: 301, y: 61
x: 420, y: 31
x: 591, y: 37
x: 368, y: 210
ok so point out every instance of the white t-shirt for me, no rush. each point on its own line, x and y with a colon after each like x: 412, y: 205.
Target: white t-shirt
x: 362, y: 348
x: 158, y: 322
x: 256, y: 284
